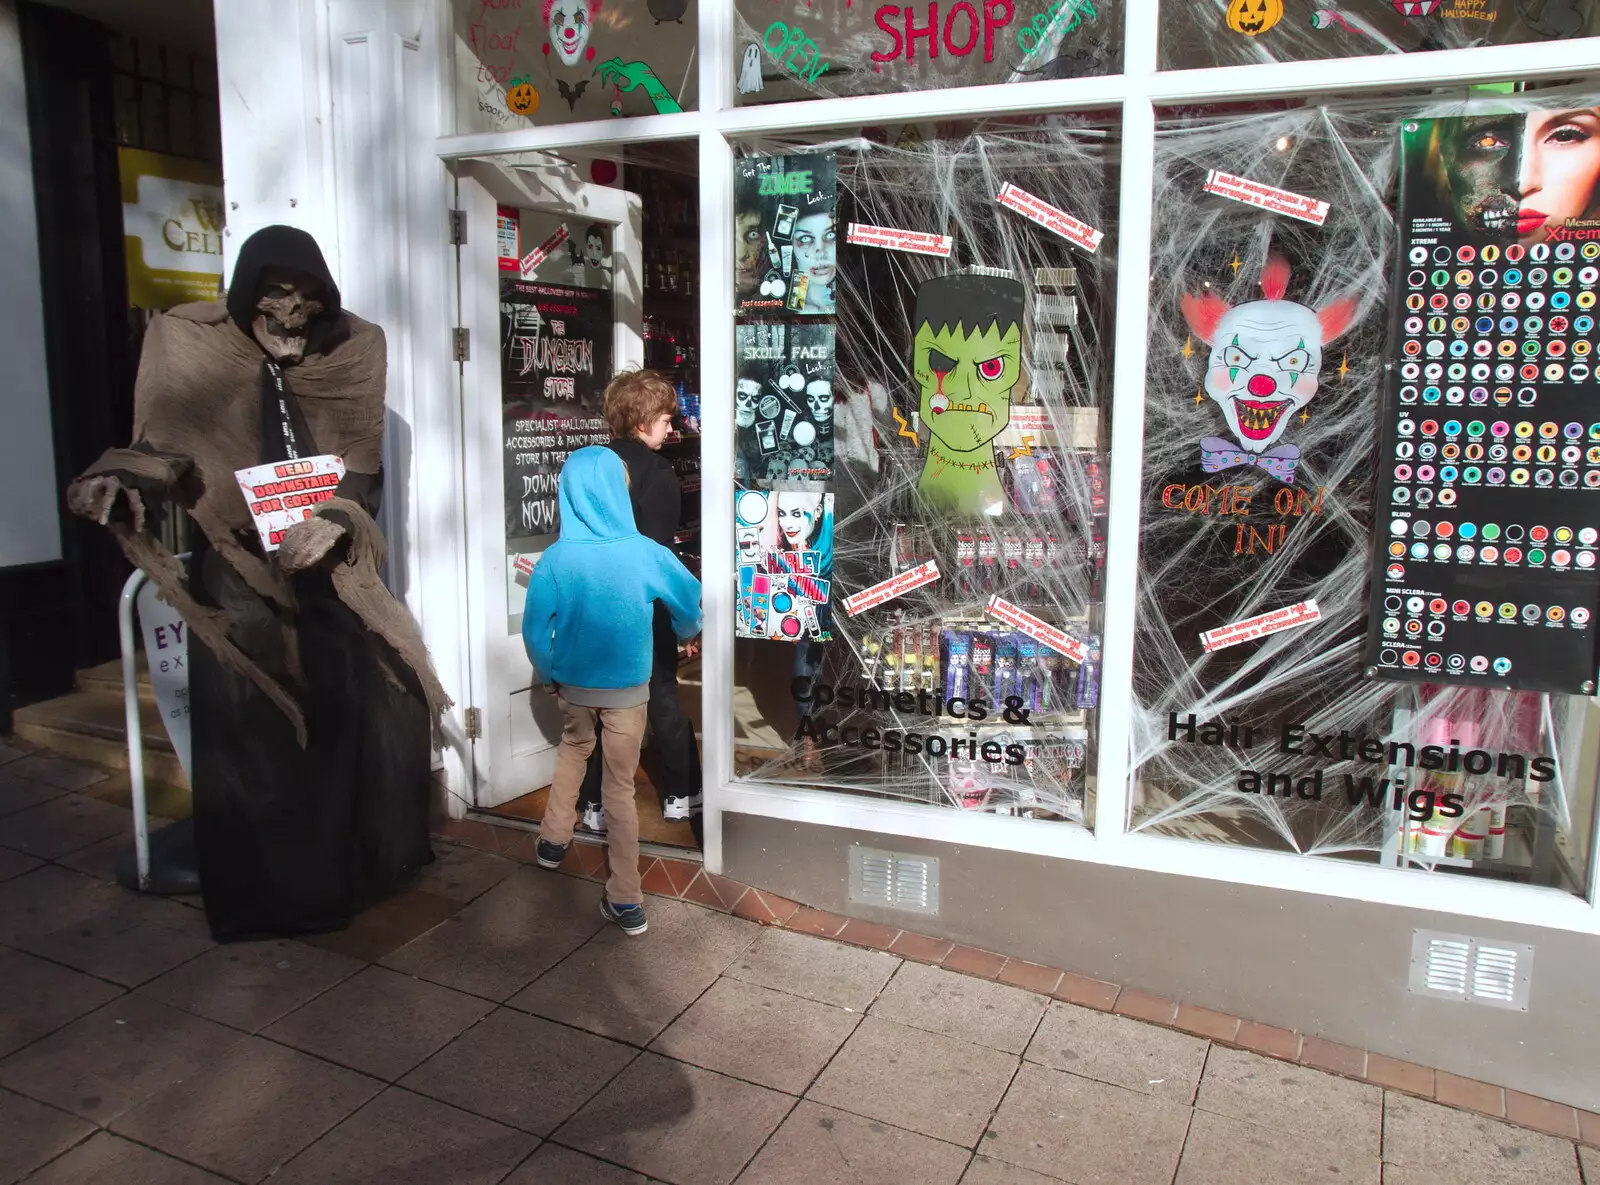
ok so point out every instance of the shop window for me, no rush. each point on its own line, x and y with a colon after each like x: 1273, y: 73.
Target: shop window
x: 921, y: 439
x: 526, y: 63
x: 1300, y: 685
x: 1245, y: 32
x: 800, y: 51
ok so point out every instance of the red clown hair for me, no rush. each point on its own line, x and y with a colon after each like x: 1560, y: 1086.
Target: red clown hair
x: 544, y: 9
x: 1203, y: 312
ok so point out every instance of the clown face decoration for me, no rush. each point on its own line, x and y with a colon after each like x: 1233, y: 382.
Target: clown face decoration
x: 569, y: 23
x: 1265, y: 358
x: 288, y: 303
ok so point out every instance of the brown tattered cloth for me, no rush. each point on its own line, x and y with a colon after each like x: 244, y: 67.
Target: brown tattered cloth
x: 197, y: 419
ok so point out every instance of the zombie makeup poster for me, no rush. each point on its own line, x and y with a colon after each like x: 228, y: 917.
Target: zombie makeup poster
x: 967, y: 362
x: 555, y: 347
x: 784, y: 550
x: 783, y: 402
x: 786, y: 231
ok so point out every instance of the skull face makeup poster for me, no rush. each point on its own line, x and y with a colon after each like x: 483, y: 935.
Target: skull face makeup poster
x: 785, y: 562
x: 786, y: 234
x: 783, y: 402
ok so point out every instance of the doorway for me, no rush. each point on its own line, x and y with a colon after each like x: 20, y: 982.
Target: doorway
x: 592, y: 268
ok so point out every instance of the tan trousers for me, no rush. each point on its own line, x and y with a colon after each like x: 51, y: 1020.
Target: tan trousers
x: 621, y: 734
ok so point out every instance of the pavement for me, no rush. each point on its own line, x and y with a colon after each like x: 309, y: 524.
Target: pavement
x: 487, y: 1028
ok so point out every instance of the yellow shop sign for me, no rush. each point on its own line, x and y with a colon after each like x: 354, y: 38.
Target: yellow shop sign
x: 172, y: 220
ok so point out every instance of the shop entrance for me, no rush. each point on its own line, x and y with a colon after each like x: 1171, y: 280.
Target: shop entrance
x: 591, y: 268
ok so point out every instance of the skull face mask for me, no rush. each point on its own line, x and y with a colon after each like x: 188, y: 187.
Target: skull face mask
x: 745, y: 394
x: 288, y: 303
x: 819, y: 398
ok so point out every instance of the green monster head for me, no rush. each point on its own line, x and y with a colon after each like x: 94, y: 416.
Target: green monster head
x: 967, y: 357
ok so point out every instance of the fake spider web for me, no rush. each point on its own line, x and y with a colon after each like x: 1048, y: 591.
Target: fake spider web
x: 945, y: 180
x: 1192, y: 576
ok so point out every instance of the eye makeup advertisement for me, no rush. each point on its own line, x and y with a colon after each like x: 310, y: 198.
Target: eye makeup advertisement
x: 785, y: 562
x: 786, y: 231
x: 1488, y: 512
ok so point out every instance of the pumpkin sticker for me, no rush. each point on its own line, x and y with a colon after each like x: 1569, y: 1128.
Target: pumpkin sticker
x: 521, y: 97
x: 1253, y: 16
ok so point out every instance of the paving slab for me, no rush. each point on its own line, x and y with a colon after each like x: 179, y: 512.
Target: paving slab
x: 109, y: 1061
x: 400, y: 1138
x: 19, y: 792
x: 380, y: 1022
x: 250, y: 1111
x: 249, y: 985
x: 32, y: 1134
x: 463, y: 874
x: 555, y: 1165
x: 507, y: 937
x: 38, y: 997
x: 676, y: 1122
x: 923, y: 1081
x: 64, y: 824
x: 381, y: 929
x: 1218, y: 1147
x: 105, y: 1159
x: 1295, y: 1099
x: 521, y: 1070
x: 61, y: 772
x: 1087, y: 1132
x: 14, y: 863
x: 631, y: 988
x: 984, y: 1171
x: 1120, y: 1050
x: 818, y: 1145
x: 47, y: 899
x: 815, y: 968
x: 763, y: 1036
x: 130, y: 938
x: 1427, y: 1144
x: 961, y: 1006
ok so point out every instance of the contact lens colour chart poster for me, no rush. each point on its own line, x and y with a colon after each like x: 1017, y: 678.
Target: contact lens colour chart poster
x: 1487, y: 516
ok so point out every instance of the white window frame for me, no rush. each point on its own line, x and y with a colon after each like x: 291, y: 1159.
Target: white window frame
x: 1138, y: 90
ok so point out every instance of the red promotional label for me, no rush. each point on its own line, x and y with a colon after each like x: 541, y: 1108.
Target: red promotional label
x: 1261, y: 625
x: 891, y: 588
x: 921, y: 241
x: 542, y: 252
x: 1036, y: 209
x: 1040, y: 631
x: 1267, y: 197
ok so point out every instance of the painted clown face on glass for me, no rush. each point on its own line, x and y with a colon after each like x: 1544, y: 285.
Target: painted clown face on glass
x: 569, y: 24
x: 1265, y: 357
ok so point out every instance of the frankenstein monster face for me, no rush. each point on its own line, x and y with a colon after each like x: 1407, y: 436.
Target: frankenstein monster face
x: 967, y: 357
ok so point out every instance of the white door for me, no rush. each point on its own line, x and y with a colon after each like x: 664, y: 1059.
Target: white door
x: 547, y: 328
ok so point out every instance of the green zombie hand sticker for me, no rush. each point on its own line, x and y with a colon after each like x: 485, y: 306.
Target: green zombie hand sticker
x: 967, y: 359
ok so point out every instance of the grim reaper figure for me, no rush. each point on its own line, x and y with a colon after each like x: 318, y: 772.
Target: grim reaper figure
x: 312, y: 696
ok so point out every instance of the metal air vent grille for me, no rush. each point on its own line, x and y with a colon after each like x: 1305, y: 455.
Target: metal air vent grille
x: 894, y: 880
x: 1472, y: 970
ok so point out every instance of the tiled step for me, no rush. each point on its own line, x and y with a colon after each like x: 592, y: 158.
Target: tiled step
x: 89, y: 726
x: 107, y: 679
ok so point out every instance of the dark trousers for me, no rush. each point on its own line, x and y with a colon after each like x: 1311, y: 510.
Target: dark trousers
x: 671, y: 733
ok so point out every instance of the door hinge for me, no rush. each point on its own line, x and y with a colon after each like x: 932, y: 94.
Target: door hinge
x: 458, y: 228
x: 460, y: 344
x: 474, y: 724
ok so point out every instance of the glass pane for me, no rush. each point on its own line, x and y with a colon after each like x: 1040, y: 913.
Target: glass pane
x: 1243, y: 32
x: 921, y: 399
x: 793, y: 50
x: 566, y: 61
x: 1274, y: 338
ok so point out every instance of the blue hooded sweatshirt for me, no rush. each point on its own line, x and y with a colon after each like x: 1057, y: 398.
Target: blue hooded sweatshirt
x: 587, y: 621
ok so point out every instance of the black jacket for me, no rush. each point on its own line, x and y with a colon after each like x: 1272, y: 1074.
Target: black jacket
x: 654, y: 490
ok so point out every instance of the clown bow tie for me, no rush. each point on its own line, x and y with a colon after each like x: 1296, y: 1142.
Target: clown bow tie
x: 1217, y: 454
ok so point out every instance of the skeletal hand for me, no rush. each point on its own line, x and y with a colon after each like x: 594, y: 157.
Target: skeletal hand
x: 95, y: 498
x: 307, y: 543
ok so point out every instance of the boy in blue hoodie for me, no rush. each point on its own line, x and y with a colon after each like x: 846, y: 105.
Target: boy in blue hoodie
x: 587, y: 630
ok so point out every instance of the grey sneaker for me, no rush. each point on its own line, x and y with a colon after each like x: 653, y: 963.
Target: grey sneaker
x: 677, y: 807
x: 629, y: 917
x: 550, y: 855
x: 594, y: 819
